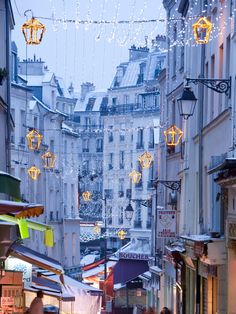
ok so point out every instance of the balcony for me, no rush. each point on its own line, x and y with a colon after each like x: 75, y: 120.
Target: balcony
x: 129, y: 108
x: 137, y: 224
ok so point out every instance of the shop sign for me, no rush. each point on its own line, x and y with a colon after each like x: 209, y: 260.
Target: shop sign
x: 166, y: 223
x: 16, y: 264
x: 136, y: 256
x: 6, y: 301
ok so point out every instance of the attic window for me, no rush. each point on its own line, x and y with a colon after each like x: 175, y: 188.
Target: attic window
x: 90, y: 104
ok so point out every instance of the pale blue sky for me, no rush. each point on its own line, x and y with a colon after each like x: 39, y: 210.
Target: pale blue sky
x: 92, y: 54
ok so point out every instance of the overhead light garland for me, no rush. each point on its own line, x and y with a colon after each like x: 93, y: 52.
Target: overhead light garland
x: 87, y: 196
x: 34, y: 139
x: 49, y: 160
x: 135, y: 176
x: 173, y: 135
x: 33, y: 31
x: 145, y: 160
x: 34, y: 172
x: 201, y: 30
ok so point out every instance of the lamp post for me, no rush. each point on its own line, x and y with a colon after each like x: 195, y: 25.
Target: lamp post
x: 129, y: 211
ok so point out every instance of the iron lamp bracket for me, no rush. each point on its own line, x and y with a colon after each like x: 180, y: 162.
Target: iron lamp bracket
x: 222, y: 86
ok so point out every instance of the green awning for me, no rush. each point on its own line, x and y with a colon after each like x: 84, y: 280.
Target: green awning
x: 9, y: 185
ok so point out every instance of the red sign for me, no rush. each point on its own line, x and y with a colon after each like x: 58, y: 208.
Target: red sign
x: 5, y: 301
x: 166, y: 223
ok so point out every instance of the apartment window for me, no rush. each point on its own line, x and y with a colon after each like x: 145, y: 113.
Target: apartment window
x: 150, y: 177
x: 114, y: 102
x: 108, y: 193
x: 110, y: 164
x: 52, y: 146
x: 137, y: 219
x: 36, y: 123
x: 212, y: 92
x: 139, y: 169
x: 13, y: 133
x: 126, y: 99
x: 122, y: 159
x: 142, y: 67
x: 85, y: 145
x: 109, y: 215
x: 87, y: 123
x: 221, y: 67
x: 53, y: 98
x: 140, y: 139
x: 72, y: 195
x: 85, y: 167
x: 121, y: 187
x: 121, y: 215
x: 151, y: 138
x: 74, y: 246
x: 51, y: 216
x: 99, y: 144
x: 65, y: 150
x: 22, y: 127
x: 110, y: 134
x: 182, y: 45
x: 122, y: 132
x: 174, y: 50
x: 227, y: 63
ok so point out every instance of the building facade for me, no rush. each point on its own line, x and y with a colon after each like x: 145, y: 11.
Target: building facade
x: 197, y: 262
x: 41, y: 102
x: 132, y: 117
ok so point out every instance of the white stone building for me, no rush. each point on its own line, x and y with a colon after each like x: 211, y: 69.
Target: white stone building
x: 133, y: 113
x: 45, y: 105
x: 196, y: 264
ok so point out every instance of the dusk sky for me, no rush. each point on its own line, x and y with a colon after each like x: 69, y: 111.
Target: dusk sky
x: 89, y: 53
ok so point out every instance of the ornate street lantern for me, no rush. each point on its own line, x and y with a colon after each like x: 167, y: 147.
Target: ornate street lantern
x: 33, y: 31
x: 186, y: 103
x: 121, y: 234
x: 129, y: 211
x: 96, y: 229
x: 49, y: 160
x: 34, y: 172
x: 87, y: 196
x: 201, y: 30
x: 145, y: 160
x: 34, y: 139
x: 173, y: 135
x: 135, y: 176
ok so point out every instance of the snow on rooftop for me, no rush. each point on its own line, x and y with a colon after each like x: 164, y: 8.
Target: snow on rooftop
x: 88, y: 259
x: 196, y: 237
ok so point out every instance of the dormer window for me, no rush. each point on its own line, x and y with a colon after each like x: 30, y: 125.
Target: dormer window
x: 142, y: 68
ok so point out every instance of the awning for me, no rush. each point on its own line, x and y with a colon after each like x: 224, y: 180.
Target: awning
x: 21, y: 210
x: 9, y: 185
x: 228, y: 163
x: 24, y: 224
x: 35, y: 258
x: 126, y: 270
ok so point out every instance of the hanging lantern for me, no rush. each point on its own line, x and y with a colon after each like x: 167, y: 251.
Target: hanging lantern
x: 34, y: 139
x: 33, y: 31
x: 96, y: 229
x: 145, y: 160
x: 173, y: 135
x: 34, y: 172
x: 49, y: 160
x: 135, y: 176
x: 201, y: 30
x: 87, y: 196
x: 121, y: 234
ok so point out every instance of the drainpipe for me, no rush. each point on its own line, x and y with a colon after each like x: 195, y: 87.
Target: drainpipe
x: 200, y: 143
x: 8, y: 138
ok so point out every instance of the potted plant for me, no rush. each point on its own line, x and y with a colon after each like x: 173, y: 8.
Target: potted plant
x: 3, y: 74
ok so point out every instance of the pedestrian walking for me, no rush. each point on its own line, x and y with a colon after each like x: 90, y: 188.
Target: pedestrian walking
x: 165, y: 310
x: 36, y: 306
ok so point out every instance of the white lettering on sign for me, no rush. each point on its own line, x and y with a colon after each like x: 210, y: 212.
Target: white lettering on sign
x: 137, y: 256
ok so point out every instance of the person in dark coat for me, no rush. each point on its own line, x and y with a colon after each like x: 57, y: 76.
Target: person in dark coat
x: 165, y: 310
